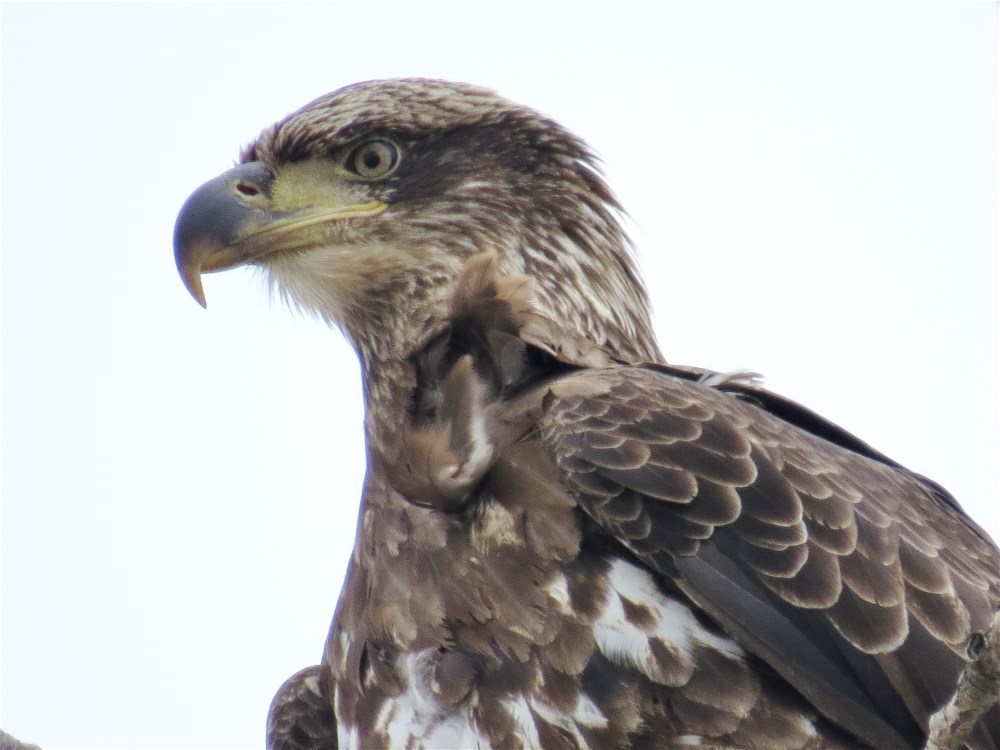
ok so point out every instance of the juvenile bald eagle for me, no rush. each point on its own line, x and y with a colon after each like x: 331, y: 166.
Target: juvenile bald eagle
x: 564, y: 542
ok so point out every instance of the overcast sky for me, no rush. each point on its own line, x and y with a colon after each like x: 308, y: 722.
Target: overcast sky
x: 813, y: 191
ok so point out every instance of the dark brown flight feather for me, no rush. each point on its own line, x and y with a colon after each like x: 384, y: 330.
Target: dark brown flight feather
x: 565, y: 542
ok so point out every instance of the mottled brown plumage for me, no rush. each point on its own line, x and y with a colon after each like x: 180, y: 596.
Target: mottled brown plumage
x: 565, y: 542
x: 301, y: 715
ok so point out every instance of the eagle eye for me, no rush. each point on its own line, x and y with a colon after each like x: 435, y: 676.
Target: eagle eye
x: 373, y: 159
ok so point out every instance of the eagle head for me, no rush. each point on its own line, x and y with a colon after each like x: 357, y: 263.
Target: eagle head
x: 363, y: 206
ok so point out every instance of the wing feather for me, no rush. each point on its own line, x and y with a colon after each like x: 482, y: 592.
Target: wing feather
x: 821, y: 536
x: 301, y: 715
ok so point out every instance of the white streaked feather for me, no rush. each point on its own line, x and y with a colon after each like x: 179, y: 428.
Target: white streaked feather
x: 567, y: 723
x: 675, y: 625
x: 558, y: 591
x: 528, y: 731
x: 417, y: 719
x: 688, y: 740
x: 587, y: 714
x: 617, y: 638
x: 496, y: 527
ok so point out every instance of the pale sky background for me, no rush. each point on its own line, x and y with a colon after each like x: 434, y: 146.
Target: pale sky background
x: 813, y: 189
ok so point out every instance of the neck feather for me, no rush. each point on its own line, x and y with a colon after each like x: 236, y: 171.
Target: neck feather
x: 389, y: 301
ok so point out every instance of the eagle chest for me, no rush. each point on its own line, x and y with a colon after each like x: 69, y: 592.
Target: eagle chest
x: 456, y: 630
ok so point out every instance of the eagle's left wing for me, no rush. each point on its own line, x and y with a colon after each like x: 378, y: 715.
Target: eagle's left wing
x: 854, y: 579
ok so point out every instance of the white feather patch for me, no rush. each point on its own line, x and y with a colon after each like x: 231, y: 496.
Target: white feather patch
x: 417, y: 719
x: 558, y: 591
x: 527, y: 730
x: 673, y: 624
x: 587, y: 714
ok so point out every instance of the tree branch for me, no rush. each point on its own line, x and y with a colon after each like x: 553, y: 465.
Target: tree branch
x: 10, y: 743
x: 978, y: 689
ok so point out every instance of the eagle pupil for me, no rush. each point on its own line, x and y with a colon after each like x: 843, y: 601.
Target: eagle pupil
x: 372, y: 159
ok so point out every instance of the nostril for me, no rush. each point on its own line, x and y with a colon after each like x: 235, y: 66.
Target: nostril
x: 247, y: 188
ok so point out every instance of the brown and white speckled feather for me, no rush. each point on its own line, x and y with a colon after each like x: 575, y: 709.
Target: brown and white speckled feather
x: 301, y: 715
x: 564, y: 542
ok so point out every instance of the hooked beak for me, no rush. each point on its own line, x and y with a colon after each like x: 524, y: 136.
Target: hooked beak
x: 232, y: 221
